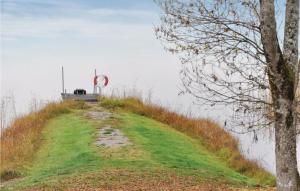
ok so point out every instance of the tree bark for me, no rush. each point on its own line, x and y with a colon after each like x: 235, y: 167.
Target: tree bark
x: 285, y: 150
x: 291, y: 33
x: 283, y: 80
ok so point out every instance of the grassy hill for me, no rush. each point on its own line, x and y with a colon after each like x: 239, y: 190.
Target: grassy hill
x: 159, y: 155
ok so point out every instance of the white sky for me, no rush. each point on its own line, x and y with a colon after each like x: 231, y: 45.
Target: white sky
x: 35, y: 48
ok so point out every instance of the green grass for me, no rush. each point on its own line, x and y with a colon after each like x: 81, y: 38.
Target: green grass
x: 68, y: 150
x: 176, y: 150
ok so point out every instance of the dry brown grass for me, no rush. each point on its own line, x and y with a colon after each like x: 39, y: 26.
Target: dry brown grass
x: 215, y: 138
x: 21, y: 140
x: 125, y: 180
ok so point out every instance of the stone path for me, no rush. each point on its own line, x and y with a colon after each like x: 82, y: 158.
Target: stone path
x: 108, y: 137
x: 111, y: 138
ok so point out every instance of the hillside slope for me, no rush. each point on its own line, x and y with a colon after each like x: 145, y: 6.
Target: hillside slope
x: 76, y: 154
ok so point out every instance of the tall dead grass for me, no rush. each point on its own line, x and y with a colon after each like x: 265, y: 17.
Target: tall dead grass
x: 215, y: 138
x: 22, y: 138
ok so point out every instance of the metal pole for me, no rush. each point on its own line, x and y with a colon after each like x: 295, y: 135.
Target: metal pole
x: 63, y: 79
x: 95, y: 88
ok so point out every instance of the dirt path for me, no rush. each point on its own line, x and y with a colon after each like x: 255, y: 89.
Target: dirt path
x: 111, y: 138
x: 108, y: 137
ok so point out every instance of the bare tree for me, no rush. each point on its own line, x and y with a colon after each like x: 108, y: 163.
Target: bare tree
x: 232, y: 55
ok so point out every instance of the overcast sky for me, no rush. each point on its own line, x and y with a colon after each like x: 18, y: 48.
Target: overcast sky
x: 115, y: 37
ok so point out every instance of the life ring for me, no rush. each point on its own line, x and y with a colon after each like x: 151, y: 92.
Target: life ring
x: 101, y: 81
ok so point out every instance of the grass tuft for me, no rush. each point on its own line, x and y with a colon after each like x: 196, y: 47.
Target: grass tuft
x: 9, y: 174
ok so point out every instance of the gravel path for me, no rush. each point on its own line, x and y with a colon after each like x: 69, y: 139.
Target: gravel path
x: 111, y: 138
x: 108, y: 137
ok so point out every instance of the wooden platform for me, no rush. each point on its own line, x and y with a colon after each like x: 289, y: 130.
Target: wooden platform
x: 86, y: 97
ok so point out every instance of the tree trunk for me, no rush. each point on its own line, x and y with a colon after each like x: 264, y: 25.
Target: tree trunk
x: 283, y: 80
x: 285, y: 138
x: 286, y: 119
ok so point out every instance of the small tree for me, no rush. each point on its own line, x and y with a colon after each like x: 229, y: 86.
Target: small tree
x: 231, y: 55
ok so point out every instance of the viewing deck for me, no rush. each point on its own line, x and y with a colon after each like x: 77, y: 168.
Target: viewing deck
x: 83, y: 97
